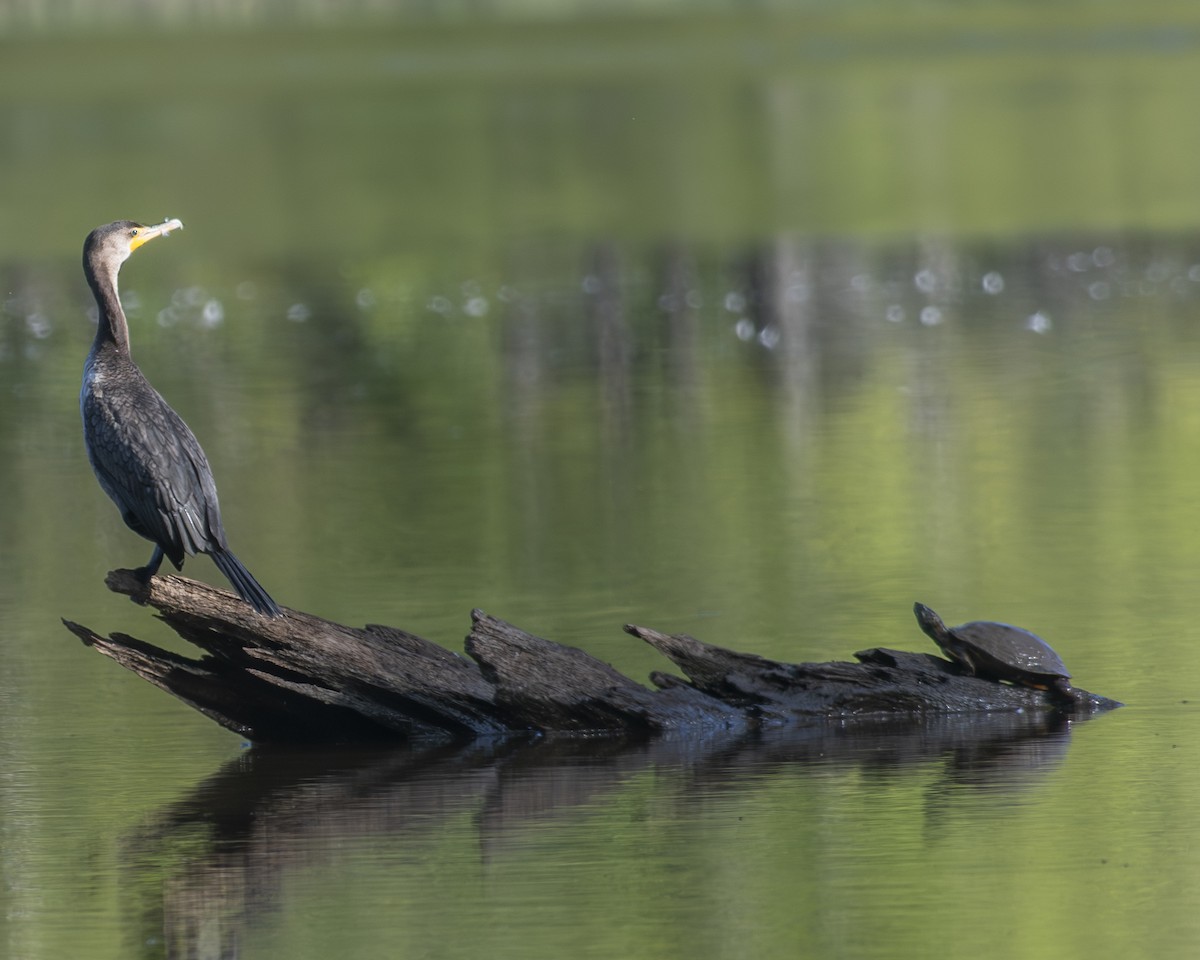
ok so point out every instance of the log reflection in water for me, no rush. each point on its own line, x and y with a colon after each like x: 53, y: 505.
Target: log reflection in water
x: 213, y: 865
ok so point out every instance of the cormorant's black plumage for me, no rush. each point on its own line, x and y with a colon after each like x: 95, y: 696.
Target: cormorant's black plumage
x: 144, y: 455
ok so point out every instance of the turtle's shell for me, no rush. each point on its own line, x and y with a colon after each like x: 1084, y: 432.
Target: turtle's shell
x: 1006, y: 652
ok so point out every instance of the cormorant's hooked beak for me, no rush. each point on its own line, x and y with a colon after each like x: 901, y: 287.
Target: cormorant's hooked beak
x: 145, y: 234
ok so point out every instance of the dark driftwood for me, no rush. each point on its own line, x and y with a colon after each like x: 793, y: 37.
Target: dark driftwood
x: 299, y: 678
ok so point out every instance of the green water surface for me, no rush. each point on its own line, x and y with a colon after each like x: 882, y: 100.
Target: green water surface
x: 757, y: 326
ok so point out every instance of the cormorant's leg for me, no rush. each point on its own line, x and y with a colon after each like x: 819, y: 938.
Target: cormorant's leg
x: 150, y: 569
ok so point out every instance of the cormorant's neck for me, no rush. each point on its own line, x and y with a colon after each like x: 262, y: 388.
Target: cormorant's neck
x: 111, y: 330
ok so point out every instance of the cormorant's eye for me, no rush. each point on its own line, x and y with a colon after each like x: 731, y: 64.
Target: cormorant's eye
x: 133, y: 232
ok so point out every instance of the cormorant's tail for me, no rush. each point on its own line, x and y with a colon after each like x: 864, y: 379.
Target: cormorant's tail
x: 244, y: 583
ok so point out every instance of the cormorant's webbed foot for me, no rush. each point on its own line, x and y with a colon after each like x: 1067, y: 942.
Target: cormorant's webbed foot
x: 150, y: 569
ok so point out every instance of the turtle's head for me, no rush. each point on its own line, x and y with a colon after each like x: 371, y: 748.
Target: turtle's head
x: 930, y: 622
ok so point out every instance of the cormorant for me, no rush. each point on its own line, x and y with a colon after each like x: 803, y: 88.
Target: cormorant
x: 143, y: 454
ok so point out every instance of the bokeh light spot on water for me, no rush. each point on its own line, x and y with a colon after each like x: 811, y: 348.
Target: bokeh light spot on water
x: 365, y: 298
x: 38, y: 325
x: 894, y: 313
x: 744, y: 329
x: 1038, y: 322
x: 212, y: 313
x: 476, y: 307
x: 931, y: 316
x: 769, y: 337
x: 440, y: 305
x: 925, y: 280
x: 992, y: 282
x: 188, y: 297
x: 735, y: 302
x: 797, y: 292
x: 1079, y: 262
x: 1099, y: 290
x: 1103, y: 257
x: 299, y: 312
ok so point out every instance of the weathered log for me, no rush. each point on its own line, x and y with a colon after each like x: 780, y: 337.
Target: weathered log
x: 300, y: 678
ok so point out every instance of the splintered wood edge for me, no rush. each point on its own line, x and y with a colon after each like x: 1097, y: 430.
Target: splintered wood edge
x: 146, y: 660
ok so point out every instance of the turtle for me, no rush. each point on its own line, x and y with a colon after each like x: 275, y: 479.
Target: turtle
x: 999, y: 651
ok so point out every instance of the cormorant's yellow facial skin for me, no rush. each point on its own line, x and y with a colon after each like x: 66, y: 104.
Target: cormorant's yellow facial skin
x: 140, y: 235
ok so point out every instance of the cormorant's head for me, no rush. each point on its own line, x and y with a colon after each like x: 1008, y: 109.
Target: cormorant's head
x: 109, y: 246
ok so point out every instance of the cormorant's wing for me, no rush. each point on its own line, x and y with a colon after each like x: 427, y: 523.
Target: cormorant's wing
x: 150, y: 463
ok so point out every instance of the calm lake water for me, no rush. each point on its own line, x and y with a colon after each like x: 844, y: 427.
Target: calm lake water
x: 754, y: 328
